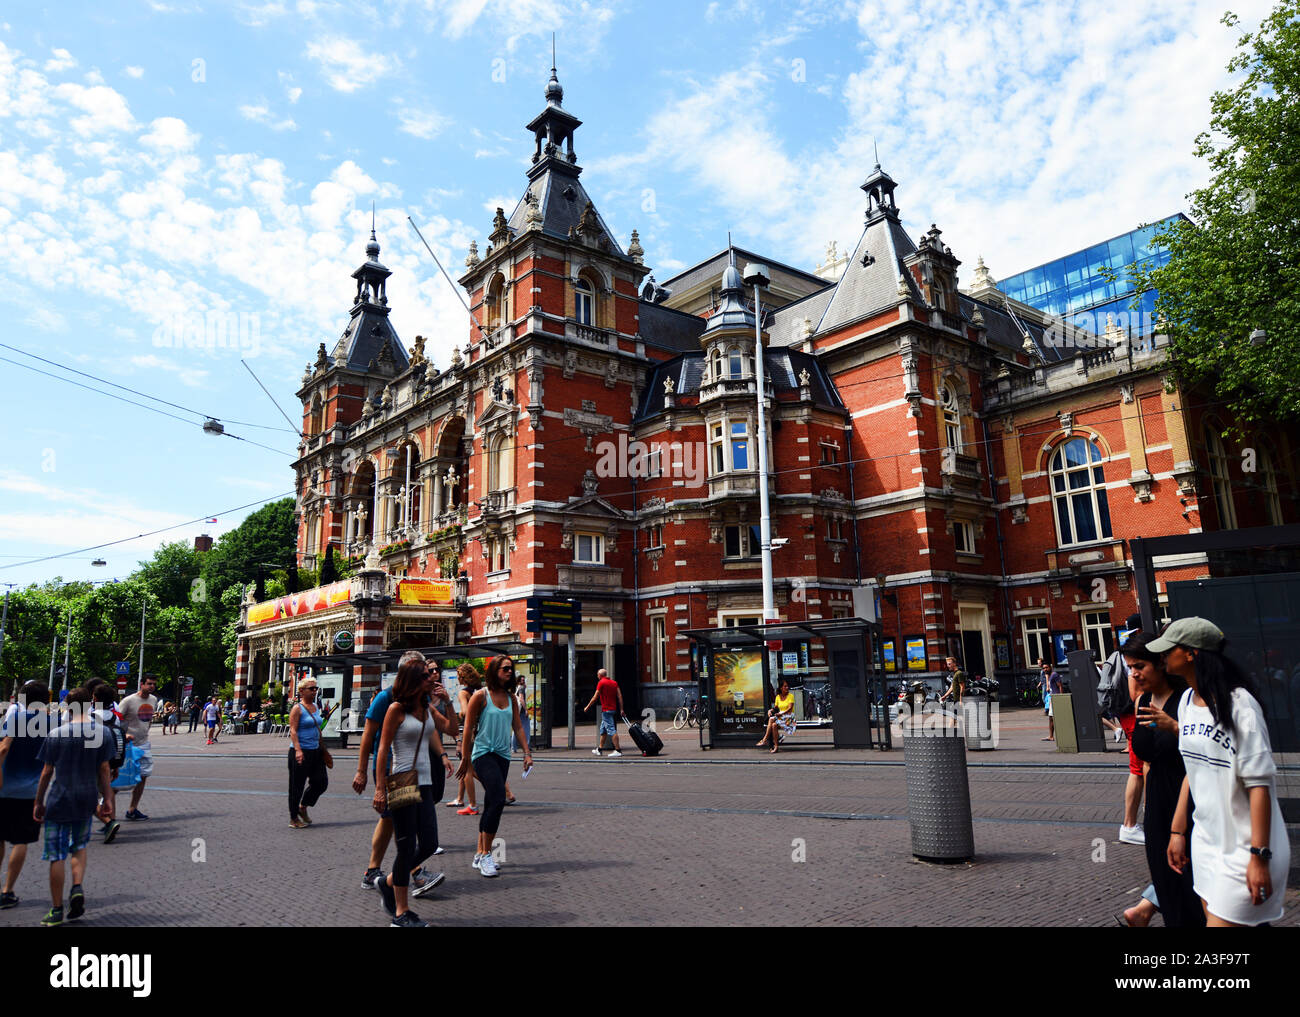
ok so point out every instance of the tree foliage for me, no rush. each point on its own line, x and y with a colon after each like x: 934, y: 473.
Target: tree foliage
x: 1237, y: 268
x: 190, y: 601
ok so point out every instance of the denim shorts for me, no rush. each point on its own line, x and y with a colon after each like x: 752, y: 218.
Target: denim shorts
x: 607, y: 725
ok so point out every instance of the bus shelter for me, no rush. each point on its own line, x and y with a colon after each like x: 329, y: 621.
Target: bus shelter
x: 835, y: 667
x: 337, y: 675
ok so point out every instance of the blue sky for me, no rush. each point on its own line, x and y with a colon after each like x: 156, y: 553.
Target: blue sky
x: 164, y: 162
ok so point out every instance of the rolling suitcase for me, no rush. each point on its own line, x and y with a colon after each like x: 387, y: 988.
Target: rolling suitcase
x: 648, y: 742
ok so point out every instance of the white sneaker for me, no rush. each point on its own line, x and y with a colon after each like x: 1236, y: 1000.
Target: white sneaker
x: 487, y: 866
x: 1119, y: 734
x: 477, y: 859
x: 615, y: 753
x: 595, y: 752
x: 1132, y: 835
x: 437, y: 851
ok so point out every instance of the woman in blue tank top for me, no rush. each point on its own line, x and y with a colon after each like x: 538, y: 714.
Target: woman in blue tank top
x: 492, y: 715
x: 307, y: 758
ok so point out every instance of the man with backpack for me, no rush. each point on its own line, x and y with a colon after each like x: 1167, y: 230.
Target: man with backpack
x: 1116, y: 698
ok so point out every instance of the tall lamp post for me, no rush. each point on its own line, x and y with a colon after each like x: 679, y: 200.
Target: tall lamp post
x: 756, y: 276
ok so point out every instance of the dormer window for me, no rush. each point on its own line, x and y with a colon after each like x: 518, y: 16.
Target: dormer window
x: 583, y: 303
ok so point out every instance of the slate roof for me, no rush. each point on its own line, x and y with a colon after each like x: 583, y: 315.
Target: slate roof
x: 562, y: 198
x: 712, y: 268
x: 782, y: 367
x: 785, y: 327
x: 1005, y: 331
x: 365, y: 335
x: 865, y: 289
x: 668, y: 329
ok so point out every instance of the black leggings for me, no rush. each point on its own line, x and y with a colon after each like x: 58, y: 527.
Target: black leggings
x: 492, y: 771
x: 415, y: 831
x: 306, y: 782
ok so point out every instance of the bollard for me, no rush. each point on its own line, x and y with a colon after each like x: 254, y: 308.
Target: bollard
x: 977, y: 718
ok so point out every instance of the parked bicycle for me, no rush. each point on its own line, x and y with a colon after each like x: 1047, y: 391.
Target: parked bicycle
x: 691, y: 713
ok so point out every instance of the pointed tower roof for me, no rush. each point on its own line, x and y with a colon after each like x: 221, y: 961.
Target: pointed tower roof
x: 875, y: 277
x: 556, y: 202
x: 369, y: 338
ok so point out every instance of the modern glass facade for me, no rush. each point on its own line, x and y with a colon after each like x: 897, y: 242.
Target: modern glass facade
x: 1074, y: 288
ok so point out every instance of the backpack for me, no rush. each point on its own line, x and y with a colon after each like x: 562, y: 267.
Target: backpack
x: 1113, y: 699
x: 114, y: 731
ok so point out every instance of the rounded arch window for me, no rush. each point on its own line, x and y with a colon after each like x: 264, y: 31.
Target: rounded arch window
x: 584, y: 302
x: 951, y: 419
x: 1079, y: 492
x: 496, y: 302
x: 716, y: 360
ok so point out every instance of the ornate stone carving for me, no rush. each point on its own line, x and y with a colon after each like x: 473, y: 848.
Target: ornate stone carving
x: 634, y: 249
x: 1126, y: 392
x: 590, y: 482
x: 472, y: 258
x: 533, y: 217
x: 1067, y: 423
x: 611, y: 373
x: 1141, y: 482
x: 496, y: 623
x: 805, y: 379
x: 669, y: 386
x: 500, y: 228
x: 1019, y: 509
x: 570, y: 363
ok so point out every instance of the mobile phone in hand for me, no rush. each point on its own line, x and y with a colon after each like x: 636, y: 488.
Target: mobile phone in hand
x: 527, y: 771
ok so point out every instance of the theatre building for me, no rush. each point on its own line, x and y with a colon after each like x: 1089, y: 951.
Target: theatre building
x: 942, y: 457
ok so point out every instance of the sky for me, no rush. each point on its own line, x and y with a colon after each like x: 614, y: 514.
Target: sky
x: 171, y: 169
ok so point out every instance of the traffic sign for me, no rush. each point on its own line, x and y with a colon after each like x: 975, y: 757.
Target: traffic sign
x: 124, y: 667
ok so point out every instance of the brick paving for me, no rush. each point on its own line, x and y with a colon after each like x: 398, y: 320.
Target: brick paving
x: 694, y: 838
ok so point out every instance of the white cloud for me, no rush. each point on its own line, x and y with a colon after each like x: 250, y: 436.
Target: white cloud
x: 169, y: 135
x: 261, y: 114
x: 421, y: 123
x: 346, y: 66
x: 186, y: 374
x: 46, y: 319
x: 134, y: 72
x: 61, y: 61
x: 105, y: 108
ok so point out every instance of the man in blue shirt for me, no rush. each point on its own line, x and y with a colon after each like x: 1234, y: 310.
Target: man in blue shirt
x: 21, y: 735
x: 444, y: 719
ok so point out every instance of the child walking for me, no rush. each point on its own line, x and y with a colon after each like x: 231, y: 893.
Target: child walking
x: 76, y: 758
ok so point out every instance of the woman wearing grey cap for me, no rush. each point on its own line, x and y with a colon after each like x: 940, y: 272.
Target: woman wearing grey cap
x: 1239, y: 850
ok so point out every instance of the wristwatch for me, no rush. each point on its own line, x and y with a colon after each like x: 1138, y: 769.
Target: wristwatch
x: 1265, y: 854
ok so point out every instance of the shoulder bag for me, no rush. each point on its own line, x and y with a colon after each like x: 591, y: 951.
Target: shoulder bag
x: 404, y: 788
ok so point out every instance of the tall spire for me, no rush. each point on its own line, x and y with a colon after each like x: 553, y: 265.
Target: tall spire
x: 553, y: 130
x: 554, y: 92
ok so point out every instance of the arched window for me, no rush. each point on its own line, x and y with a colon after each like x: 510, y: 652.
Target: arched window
x: 498, y: 462
x: 1220, y: 479
x: 734, y: 365
x: 951, y: 421
x: 316, y: 415
x: 1079, y: 491
x: 584, y: 305
x: 716, y: 360
x: 1268, y: 480
x: 496, y: 303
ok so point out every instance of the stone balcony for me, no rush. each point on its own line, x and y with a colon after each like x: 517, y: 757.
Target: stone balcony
x: 574, y: 576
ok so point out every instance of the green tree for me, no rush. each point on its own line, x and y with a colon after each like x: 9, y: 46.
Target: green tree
x: 1237, y: 270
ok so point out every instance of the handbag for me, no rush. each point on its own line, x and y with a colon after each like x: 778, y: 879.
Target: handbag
x: 404, y: 788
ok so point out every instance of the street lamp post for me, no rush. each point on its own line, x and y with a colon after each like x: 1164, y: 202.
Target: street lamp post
x: 756, y: 276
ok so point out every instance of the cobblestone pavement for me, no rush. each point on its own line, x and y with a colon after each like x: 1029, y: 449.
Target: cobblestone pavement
x: 694, y: 839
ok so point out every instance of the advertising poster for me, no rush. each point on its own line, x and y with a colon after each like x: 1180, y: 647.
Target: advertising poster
x: 890, y: 654
x: 790, y: 662
x: 916, y: 654
x: 1064, y: 643
x: 1002, y: 651
x: 738, y: 691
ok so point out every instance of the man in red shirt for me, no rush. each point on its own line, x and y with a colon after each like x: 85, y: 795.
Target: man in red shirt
x: 611, y: 707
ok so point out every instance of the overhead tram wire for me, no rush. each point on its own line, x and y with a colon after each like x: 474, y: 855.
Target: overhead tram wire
x: 145, y: 395
x: 153, y: 533
x: 132, y: 402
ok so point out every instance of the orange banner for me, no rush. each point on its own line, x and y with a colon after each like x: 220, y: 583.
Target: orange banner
x: 321, y: 598
x: 424, y: 591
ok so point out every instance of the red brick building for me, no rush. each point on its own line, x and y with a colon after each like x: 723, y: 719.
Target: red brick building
x: 939, y: 448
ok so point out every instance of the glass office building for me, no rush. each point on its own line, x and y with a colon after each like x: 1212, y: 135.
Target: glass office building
x: 1074, y: 288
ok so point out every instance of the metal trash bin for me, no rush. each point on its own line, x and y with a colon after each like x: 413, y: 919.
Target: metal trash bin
x: 977, y: 718
x: 938, y: 792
